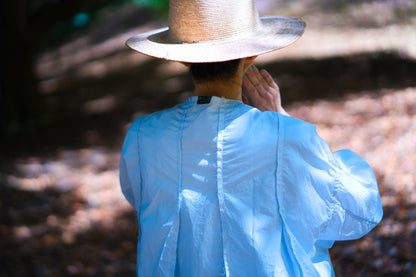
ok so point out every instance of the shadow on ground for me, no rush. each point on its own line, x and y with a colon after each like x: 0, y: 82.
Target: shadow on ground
x: 93, y: 112
x: 378, y: 253
x: 34, y: 244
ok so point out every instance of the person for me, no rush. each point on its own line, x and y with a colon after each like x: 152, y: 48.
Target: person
x: 226, y: 183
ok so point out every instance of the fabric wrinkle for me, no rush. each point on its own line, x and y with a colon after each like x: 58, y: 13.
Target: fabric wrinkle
x: 264, y: 196
x: 220, y: 188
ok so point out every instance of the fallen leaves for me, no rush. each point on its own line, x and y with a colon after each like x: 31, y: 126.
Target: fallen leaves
x: 64, y: 214
x: 380, y: 126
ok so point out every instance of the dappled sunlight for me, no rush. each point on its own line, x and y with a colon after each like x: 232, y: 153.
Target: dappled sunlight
x: 104, y: 104
x: 171, y: 69
x: 69, y: 202
x: 381, y: 127
x: 91, y: 174
x: 328, y: 41
x: 352, y: 73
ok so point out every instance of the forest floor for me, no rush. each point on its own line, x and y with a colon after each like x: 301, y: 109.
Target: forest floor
x: 352, y: 74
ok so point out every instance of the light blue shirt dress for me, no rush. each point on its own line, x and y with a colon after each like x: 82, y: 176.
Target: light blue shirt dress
x: 223, y: 189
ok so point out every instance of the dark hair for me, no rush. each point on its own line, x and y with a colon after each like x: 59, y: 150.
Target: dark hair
x: 214, y: 71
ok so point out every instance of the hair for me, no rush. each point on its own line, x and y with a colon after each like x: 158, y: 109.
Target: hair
x: 217, y: 71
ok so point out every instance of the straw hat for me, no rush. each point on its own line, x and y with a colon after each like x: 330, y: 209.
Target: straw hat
x: 216, y: 30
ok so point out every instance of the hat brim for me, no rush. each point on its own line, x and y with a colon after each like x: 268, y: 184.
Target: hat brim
x: 274, y: 33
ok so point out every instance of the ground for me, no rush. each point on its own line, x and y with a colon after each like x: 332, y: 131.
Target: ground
x: 352, y: 74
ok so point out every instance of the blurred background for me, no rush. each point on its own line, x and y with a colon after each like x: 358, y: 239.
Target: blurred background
x: 70, y: 89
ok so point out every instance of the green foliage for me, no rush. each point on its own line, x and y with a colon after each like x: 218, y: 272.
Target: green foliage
x: 161, y: 7
x: 63, y: 28
x: 90, y: 14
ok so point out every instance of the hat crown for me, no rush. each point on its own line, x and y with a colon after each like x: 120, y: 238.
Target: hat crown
x: 202, y: 20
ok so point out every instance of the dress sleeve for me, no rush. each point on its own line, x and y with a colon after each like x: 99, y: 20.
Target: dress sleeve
x: 323, y: 195
x: 357, y: 195
x: 129, y: 166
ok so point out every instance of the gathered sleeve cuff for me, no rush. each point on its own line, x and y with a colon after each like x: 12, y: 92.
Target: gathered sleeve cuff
x: 356, y: 192
x: 130, y: 180
x: 323, y: 195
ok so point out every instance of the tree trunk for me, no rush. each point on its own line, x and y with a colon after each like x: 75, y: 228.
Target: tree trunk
x: 21, y: 106
x: 20, y: 102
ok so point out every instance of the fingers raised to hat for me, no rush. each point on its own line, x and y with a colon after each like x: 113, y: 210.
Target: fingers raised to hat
x: 248, y: 90
x: 256, y: 93
x: 251, y: 86
x: 257, y: 80
x: 269, y: 80
x: 262, y: 91
x: 275, y: 93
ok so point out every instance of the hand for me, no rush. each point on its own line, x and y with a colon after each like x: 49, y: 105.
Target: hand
x: 261, y: 91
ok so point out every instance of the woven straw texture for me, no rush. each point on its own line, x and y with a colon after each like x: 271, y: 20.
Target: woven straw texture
x: 212, y: 31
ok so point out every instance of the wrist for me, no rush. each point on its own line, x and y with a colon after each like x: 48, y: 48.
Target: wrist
x: 282, y: 111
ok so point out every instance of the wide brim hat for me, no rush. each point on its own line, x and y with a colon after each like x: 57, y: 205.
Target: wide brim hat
x: 202, y: 31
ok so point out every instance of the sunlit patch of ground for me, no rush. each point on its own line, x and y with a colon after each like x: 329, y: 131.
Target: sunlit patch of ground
x: 63, y: 212
x: 332, y: 30
x: 381, y: 126
x: 90, y: 174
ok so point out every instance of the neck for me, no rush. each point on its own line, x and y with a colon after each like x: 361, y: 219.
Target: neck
x: 230, y: 89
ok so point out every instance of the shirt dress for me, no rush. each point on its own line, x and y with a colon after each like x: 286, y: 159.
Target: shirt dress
x: 223, y: 189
